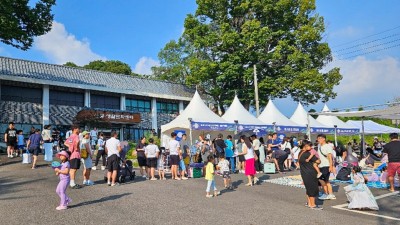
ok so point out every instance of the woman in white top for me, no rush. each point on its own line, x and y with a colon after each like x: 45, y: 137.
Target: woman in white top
x: 248, y: 152
x: 287, y: 147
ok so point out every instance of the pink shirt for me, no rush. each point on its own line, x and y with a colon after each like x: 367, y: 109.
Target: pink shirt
x: 312, y: 151
x: 72, y: 142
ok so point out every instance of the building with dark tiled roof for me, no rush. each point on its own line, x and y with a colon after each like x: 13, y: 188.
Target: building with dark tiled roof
x: 35, y: 94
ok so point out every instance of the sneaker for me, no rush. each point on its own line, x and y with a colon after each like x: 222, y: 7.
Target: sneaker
x: 109, y: 184
x: 103, y: 167
x: 316, y: 208
x: 184, y: 178
x: 177, y: 178
x: 84, y: 182
x: 94, y: 168
x: 319, y: 175
x: 115, y: 184
x: 209, y: 196
x: 61, y: 207
x: 76, y: 186
x: 89, y: 183
x: 164, y: 178
x: 144, y: 176
x: 331, y: 197
x: 69, y: 201
x: 153, y: 178
x: 217, y: 193
x: 323, y: 197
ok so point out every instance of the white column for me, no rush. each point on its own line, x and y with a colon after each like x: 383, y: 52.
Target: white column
x: 87, y: 98
x: 154, y: 114
x: 122, y: 102
x: 46, y: 105
x: 181, y: 107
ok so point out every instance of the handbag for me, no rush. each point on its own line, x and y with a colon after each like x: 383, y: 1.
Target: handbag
x: 287, y: 150
x: 84, y: 154
x: 27, y: 157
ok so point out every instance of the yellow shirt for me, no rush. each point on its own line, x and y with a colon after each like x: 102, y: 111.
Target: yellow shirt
x: 209, y: 171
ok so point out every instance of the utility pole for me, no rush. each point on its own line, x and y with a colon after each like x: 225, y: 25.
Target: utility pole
x: 256, y: 91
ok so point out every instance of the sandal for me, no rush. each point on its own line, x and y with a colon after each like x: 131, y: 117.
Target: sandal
x: 217, y: 193
x: 249, y: 184
x: 209, y: 196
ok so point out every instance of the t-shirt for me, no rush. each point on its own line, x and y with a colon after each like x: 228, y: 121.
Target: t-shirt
x: 83, y: 145
x: 295, y: 152
x: 250, y: 153
x: 112, y: 146
x: 184, y: 144
x: 141, y: 146
x: 151, y: 150
x: 393, y: 150
x: 173, y: 147
x: 46, y: 135
x: 229, y: 148
x: 72, y: 143
x: 209, y: 171
x: 93, y: 133
x: 68, y: 134
x: 100, y: 142
x: 35, y: 140
x: 286, y: 145
x: 324, y: 150
x: 220, y: 143
x: 377, y: 145
x: 275, y: 142
x: 307, y: 168
x: 64, y: 165
x: 256, y: 144
x: 239, y: 147
x: 223, y: 165
x: 20, y: 139
x: 11, y: 135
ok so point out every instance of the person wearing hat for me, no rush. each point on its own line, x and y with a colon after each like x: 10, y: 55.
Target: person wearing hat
x: 63, y: 174
x: 75, y: 160
x: 87, y: 161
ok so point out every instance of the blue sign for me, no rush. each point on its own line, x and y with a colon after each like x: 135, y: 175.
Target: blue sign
x: 213, y: 126
x: 341, y: 131
x: 288, y: 129
x: 179, y: 134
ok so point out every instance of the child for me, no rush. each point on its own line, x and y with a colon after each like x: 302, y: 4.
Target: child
x: 20, y: 143
x: 223, y: 166
x: 63, y: 173
x: 358, y: 194
x: 313, y: 152
x: 210, y: 177
x: 160, y: 165
x: 383, y: 177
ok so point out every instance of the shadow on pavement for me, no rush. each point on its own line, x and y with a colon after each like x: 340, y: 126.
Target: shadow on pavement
x: 9, y: 184
x: 104, y: 199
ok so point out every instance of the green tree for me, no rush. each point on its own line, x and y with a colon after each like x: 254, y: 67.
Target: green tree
x: 113, y: 66
x: 70, y: 64
x: 224, y: 39
x: 20, y: 23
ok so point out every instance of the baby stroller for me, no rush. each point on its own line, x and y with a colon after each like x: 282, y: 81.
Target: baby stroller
x: 125, y: 167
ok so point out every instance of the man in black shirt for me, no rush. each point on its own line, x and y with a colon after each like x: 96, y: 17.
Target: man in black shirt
x: 219, y: 146
x: 392, y: 149
x: 10, y: 137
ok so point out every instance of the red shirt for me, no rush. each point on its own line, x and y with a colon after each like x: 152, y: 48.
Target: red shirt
x: 73, y: 146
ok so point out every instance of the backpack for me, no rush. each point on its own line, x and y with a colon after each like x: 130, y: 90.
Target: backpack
x: 344, y: 174
x: 219, y: 149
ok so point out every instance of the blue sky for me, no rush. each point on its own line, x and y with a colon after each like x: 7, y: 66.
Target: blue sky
x: 135, y: 31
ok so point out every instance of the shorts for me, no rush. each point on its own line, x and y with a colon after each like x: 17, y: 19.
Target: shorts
x: 142, y: 161
x: 241, y: 158
x: 20, y: 147
x: 325, y: 173
x: 393, y: 167
x: 174, y: 160
x: 11, y: 143
x: 151, y: 162
x: 87, y: 163
x: 160, y: 164
x: 75, y: 164
x: 182, y: 166
x: 112, y: 163
x: 226, y: 175
x: 35, y: 150
x: 295, y: 160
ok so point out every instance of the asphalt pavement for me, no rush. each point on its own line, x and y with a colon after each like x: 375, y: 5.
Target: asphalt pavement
x: 28, y: 197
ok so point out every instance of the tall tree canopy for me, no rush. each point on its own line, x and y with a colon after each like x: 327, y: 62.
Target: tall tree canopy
x: 20, y: 23
x: 113, y: 66
x: 225, y: 38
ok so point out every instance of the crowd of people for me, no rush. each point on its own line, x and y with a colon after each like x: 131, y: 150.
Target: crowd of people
x: 316, y: 161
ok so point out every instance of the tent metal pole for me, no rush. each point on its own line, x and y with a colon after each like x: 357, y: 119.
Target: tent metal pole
x: 335, y: 135
x: 190, y: 131
x: 362, y: 136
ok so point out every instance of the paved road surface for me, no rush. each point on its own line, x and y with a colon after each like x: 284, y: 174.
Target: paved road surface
x: 28, y: 197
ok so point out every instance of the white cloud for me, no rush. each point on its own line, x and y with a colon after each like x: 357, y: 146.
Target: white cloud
x: 61, y: 47
x: 144, y: 65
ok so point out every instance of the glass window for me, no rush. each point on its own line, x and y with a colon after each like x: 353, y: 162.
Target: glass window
x: 66, y: 98
x: 104, y: 102
x: 167, y: 107
x: 138, y: 105
x: 21, y: 94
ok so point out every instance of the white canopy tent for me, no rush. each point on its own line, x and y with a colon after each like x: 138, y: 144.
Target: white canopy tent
x: 332, y: 121
x: 392, y: 112
x: 371, y: 127
x: 301, y: 117
x: 272, y: 116
x: 237, y: 112
x: 196, y: 111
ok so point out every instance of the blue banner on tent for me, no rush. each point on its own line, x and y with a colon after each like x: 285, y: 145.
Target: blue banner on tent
x: 287, y: 129
x: 341, y: 131
x: 319, y: 130
x: 213, y: 126
x: 259, y: 130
